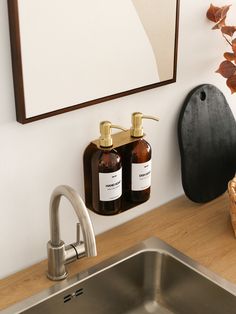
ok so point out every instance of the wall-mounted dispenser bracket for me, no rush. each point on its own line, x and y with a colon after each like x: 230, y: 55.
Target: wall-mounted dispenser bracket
x: 120, y: 142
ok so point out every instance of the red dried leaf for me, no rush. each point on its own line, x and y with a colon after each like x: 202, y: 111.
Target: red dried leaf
x: 211, y: 13
x: 227, y: 69
x: 230, y: 56
x: 231, y: 83
x: 220, y: 24
x: 228, y: 30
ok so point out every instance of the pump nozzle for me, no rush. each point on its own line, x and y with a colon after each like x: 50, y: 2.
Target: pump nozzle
x: 105, y: 139
x: 137, y: 128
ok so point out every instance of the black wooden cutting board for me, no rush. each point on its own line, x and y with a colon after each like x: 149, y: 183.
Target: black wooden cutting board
x: 207, y: 142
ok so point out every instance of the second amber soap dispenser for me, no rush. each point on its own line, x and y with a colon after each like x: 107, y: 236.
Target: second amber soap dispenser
x: 106, y: 169
x: 138, y: 162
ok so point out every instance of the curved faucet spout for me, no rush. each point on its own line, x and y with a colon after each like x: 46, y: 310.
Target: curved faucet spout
x: 81, y: 212
x: 58, y: 253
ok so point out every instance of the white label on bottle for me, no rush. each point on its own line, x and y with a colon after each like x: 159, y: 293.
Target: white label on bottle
x: 141, y: 176
x: 110, y: 185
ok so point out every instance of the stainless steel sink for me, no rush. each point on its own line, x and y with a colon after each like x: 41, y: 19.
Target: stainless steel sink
x: 152, y: 277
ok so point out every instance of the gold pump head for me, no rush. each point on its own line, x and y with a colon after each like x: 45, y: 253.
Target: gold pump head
x: 105, y: 139
x: 137, y: 127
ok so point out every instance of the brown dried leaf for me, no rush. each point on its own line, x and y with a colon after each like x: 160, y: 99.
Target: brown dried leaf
x: 220, y: 24
x: 222, y: 12
x: 226, y: 69
x: 211, y: 13
x: 230, y: 56
x: 217, y: 15
x: 228, y: 30
x: 231, y: 83
x: 234, y: 45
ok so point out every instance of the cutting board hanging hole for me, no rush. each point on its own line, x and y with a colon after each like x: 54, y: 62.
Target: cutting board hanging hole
x: 202, y: 96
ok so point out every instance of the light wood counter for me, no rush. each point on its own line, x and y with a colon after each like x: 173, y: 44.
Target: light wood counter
x: 203, y: 232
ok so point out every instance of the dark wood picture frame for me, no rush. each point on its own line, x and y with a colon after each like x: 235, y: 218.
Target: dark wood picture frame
x: 17, y: 68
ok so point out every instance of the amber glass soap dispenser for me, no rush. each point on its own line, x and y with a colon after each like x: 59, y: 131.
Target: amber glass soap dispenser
x: 106, y: 174
x: 138, y: 165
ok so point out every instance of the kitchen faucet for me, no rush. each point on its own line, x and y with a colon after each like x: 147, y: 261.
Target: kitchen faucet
x: 60, y: 254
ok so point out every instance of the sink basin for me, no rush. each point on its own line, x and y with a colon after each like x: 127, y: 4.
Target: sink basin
x: 151, y: 277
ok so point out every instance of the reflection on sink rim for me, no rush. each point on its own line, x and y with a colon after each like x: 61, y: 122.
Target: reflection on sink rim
x: 149, y: 245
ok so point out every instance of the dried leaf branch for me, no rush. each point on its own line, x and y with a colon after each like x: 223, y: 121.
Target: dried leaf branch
x: 227, y: 67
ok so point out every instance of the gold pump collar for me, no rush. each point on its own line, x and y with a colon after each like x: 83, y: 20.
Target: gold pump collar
x: 105, y: 139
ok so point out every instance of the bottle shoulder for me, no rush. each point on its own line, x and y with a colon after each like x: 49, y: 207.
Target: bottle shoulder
x: 107, y: 160
x: 140, y: 151
x: 141, y: 143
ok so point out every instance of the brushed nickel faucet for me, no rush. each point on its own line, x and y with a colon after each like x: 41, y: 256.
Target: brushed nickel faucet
x: 60, y: 254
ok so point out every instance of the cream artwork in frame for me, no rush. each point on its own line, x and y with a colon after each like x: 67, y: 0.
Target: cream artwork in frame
x: 70, y: 54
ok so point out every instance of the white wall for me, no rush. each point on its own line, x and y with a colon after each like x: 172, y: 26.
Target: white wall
x: 37, y: 157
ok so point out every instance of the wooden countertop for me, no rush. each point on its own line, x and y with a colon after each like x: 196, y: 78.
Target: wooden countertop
x: 203, y: 232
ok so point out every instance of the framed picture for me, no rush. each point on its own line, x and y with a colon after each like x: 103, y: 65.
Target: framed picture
x: 68, y: 54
